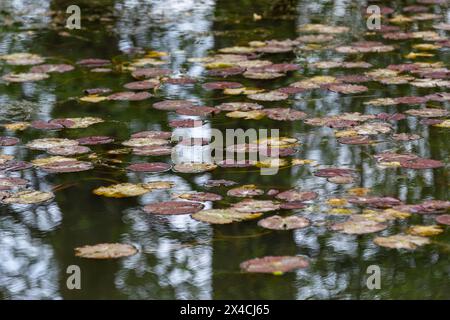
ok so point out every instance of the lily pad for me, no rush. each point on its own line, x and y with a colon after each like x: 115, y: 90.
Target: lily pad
x: 95, y: 140
x: 284, y: 114
x: 22, y: 59
x: 443, y: 219
x: 295, y: 195
x: 173, y: 207
x: 223, y: 216
x: 198, y: 196
x: 67, y: 166
x: 106, y: 251
x: 29, y: 197
x: 149, y: 167
x: 24, y: 77
x: 123, y: 190
x: 8, y: 141
x: 275, y: 265
x: 425, y: 231
x: 68, y: 150
x: 421, y: 163
x: 253, y: 206
x: 358, y: 226
x: 129, y: 96
x: 47, y: 143
x: 194, y: 167
x: 269, y: 96
x: 249, y: 190
x: 52, y: 68
x: 219, y: 183
x: 284, y: 223
x: 400, y: 241
x: 152, y: 151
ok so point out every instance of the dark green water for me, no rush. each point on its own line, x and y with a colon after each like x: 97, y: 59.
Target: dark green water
x: 179, y: 257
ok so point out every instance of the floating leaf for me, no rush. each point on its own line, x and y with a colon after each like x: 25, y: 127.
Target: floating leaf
x: 400, y: 241
x: 149, y: 167
x: 28, y: 197
x: 22, y: 59
x: 173, y: 207
x: 129, y: 96
x: 223, y: 216
x: 193, y: 167
x: 248, y: 115
x: 284, y: 114
x: 253, y: 206
x: 198, y: 196
x: 249, y: 190
x: 274, y: 265
x: 358, y: 226
x: 269, y: 96
x: 51, y: 68
x: 123, y: 190
x: 47, y: 143
x: 95, y: 140
x: 443, y: 219
x: 295, y: 195
x: 425, y: 231
x: 106, y: 251
x: 24, y: 77
x: 284, y: 223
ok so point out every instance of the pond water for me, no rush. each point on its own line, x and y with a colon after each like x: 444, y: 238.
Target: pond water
x: 179, y: 257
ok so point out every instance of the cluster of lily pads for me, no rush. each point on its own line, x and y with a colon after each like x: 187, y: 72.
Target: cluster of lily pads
x: 253, y: 62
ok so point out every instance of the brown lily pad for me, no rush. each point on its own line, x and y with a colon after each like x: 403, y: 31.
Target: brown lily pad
x: 95, y: 140
x: 129, y: 96
x: 421, y: 163
x: 8, y: 141
x: 295, y: 195
x: 400, y: 241
x: 276, y: 265
x: 106, y: 251
x: 199, y: 196
x: 284, y: 223
x: 149, y: 167
x: 284, y: 114
x: 68, y: 150
x: 153, y: 151
x: 172, y: 105
x: 358, y: 226
x: 173, y: 207
x: 67, y: 166
x: 443, y: 219
x: 220, y: 85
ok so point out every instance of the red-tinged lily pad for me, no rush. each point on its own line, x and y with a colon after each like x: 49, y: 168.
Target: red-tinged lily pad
x: 8, y: 183
x: 239, y: 106
x: 13, y: 165
x: 347, y: 88
x: 291, y: 90
x: 284, y: 114
x: 406, y: 136
x: 249, y: 190
x: 180, y: 81
x: 226, y: 72
x: 284, y: 223
x: 427, y: 112
x: 173, y: 207
x: 185, y: 123
x: 149, y: 167
x: 356, y: 140
x: 93, y: 91
x: 197, y: 111
x: 295, y: 195
x: 93, y: 63
x: 142, y: 85
x: 95, y: 140
x: 443, y: 219
x: 28, y: 197
x: 106, y: 251
x: 358, y: 226
x: 333, y: 172
x: 129, y: 96
x: 219, y: 183
x: 172, y: 105
x: 49, y: 68
x: 152, y: 134
x: 44, y: 125
x: 391, y: 116
x: 8, y: 141
x: 67, y: 166
x: 274, y: 265
x: 68, y: 150
x: 394, y: 157
x: 146, y: 73
x: 153, y: 151
x: 231, y: 163
x: 253, y: 206
x: 220, y: 85
x: 199, y: 196
x: 430, y: 122
x: 353, y: 78
x: 421, y: 163
x: 411, y: 100
x: 293, y: 205
x: 426, y: 207
x: 375, y: 202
